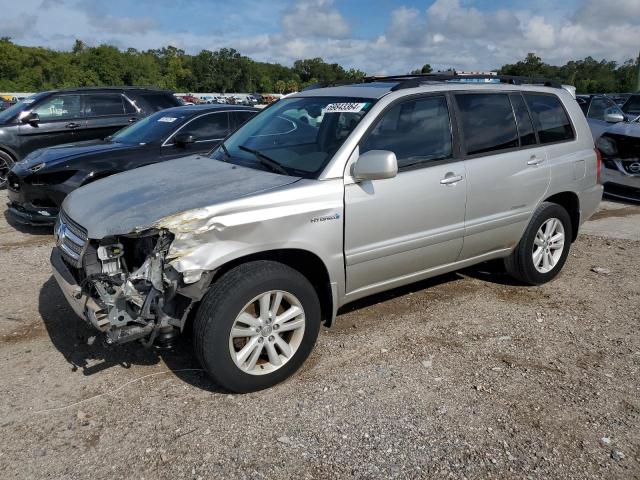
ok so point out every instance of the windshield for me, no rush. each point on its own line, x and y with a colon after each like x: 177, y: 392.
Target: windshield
x: 12, y: 111
x: 297, y: 136
x: 153, y: 128
x: 632, y: 105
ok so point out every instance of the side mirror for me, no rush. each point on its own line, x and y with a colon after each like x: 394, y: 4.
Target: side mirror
x: 614, y: 117
x: 183, y: 139
x: 32, y: 118
x: 375, y: 165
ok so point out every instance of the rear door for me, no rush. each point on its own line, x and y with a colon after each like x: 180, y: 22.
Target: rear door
x: 105, y: 114
x: 61, y: 118
x: 507, y: 170
x: 398, y: 229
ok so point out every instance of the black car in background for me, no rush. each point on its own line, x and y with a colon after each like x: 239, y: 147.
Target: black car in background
x: 62, y: 116
x: 39, y: 183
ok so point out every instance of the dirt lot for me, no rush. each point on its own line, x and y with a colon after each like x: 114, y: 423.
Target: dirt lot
x: 466, y: 375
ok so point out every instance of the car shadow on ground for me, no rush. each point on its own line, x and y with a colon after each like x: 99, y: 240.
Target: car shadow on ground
x: 28, y: 229
x: 400, y: 292
x: 71, y: 337
x: 492, y: 272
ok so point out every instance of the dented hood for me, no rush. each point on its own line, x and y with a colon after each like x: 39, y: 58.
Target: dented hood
x: 629, y: 129
x: 137, y: 199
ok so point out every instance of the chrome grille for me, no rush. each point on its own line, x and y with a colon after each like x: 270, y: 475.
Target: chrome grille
x: 71, y: 239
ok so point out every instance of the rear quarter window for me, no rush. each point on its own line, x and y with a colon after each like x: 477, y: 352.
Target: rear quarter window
x: 549, y: 117
x: 159, y: 101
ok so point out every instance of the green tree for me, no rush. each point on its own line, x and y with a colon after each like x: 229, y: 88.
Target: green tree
x: 281, y: 85
x: 426, y: 68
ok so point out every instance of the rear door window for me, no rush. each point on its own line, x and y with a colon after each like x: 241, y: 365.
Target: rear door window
x: 487, y: 122
x: 549, y: 118
x: 418, y: 131
x: 103, y: 105
x: 523, y: 120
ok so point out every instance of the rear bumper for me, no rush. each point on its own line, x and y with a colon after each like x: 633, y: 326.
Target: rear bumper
x: 589, y: 202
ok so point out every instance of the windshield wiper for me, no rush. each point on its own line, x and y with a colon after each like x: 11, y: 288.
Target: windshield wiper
x: 266, y: 161
x: 224, y: 149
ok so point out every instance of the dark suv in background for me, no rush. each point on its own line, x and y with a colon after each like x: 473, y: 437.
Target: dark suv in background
x: 63, y: 116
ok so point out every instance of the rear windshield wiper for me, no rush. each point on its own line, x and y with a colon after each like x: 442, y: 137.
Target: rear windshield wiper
x: 266, y: 161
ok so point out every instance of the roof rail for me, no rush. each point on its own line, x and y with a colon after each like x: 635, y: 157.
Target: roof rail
x: 415, y: 80
x: 337, y: 83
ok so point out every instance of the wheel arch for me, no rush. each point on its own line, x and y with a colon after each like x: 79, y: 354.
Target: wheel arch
x: 11, y: 152
x: 307, y: 263
x: 571, y: 203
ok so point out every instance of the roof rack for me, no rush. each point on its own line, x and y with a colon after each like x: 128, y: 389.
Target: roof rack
x: 415, y: 80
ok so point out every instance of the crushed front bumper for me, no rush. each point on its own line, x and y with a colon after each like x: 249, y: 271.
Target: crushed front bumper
x: 84, y: 306
x: 619, y: 183
x: 31, y: 215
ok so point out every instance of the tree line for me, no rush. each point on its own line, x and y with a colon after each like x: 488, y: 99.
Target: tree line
x: 33, y: 69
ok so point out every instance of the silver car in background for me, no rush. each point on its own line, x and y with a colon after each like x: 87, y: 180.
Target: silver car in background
x: 617, y: 136
x: 325, y: 197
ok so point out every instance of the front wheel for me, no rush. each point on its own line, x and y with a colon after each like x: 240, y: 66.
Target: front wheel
x: 256, y: 326
x: 544, y: 246
x: 6, y: 162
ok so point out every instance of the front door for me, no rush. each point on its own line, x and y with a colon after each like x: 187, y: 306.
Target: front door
x: 60, y: 120
x: 599, y: 107
x: 208, y: 131
x: 398, y: 229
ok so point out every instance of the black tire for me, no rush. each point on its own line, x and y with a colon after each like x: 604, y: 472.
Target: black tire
x: 6, y: 162
x: 226, y: 299
x: 520, y: 263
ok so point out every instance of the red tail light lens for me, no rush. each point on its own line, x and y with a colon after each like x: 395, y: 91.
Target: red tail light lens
x: 599, y: 164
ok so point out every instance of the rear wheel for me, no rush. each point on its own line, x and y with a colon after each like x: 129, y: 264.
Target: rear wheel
x: 256, y: 326
x: 544, y: 246
x: 6, y: 162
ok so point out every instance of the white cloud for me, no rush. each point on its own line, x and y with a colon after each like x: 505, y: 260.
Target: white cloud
x: 449, y: 33
x: 315, y: 18
x: 539, y: 34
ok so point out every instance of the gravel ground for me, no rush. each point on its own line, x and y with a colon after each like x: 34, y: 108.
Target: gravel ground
x: 465, y: 375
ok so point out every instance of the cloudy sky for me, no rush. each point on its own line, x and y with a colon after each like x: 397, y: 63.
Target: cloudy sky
x: 378, y: 36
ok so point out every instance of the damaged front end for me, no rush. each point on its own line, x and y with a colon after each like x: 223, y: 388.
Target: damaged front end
x: 122, y: 285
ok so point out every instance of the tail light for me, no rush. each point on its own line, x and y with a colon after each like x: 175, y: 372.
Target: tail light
x: 598, y: 165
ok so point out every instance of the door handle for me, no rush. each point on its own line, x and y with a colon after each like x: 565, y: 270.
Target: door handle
x: 72, y: 125
x: 450, y: 179
x: 533, y: 160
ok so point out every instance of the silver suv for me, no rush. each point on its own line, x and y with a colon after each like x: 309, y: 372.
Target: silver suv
x: 327, y: 196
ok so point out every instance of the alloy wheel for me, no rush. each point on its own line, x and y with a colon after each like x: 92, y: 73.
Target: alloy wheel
x: 4, y: 171
x: 267, y: 332
x: 548, y: 245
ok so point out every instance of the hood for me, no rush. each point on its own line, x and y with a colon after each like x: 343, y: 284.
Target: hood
x: 52, y: 155
x: 629, y: 129
x: 135, y: 200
